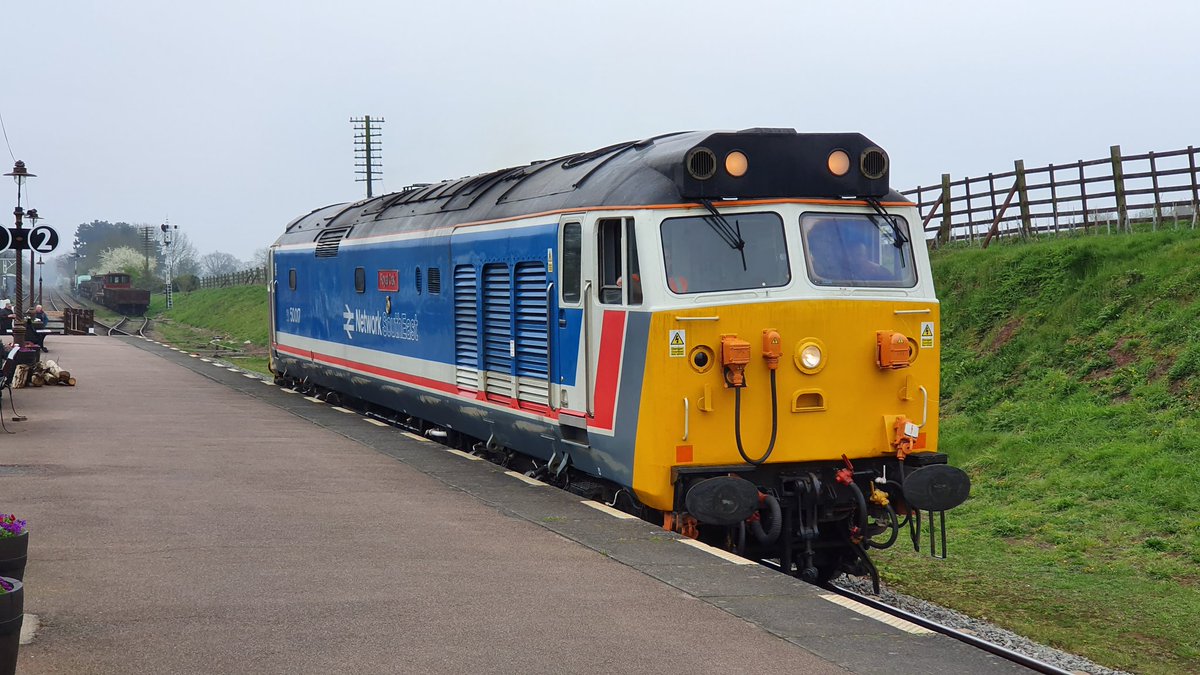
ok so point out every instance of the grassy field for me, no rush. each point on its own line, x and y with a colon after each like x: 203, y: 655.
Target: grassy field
x: 231, y: 322
x: 1071, y: 396
x: 1071, y: 393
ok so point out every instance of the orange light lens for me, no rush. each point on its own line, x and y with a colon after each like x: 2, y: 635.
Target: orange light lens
x: 736, y: 164
x: 839, y: 162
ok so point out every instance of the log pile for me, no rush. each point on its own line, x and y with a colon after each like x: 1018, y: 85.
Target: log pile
x: 41, y: 374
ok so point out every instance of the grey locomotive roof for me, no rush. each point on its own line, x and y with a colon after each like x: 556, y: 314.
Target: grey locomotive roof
x: 636, y: 173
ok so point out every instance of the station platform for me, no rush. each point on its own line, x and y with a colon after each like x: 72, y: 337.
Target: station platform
x: 186, y: 517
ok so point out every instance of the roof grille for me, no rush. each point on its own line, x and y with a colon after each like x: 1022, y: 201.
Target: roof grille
x: 329, y: 240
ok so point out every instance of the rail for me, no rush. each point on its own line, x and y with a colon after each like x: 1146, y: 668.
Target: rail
x: 990, y: 647
x: 1113, y: 193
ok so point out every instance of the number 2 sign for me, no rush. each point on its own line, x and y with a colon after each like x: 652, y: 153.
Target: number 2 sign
x: 43, y: 239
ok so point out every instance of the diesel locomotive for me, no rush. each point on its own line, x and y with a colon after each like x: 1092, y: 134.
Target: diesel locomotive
x: 116, y: 292
x: 732, y: 334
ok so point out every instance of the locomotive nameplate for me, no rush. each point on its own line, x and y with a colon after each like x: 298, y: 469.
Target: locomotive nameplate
x: 389, y: 280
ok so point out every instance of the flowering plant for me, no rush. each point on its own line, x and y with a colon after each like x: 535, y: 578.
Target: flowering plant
x: 10, y: 526
x: 5, y: 586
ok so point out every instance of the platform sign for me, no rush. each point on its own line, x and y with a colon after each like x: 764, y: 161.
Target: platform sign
x: 43, y: 239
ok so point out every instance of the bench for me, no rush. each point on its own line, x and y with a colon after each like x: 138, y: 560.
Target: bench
x: 8, y: 369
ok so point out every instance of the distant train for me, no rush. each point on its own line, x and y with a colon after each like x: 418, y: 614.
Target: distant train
x: 116, y: 292
x: 732, y: 334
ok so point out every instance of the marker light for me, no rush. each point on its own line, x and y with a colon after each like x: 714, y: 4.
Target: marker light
x: 736, y: 164
x: 839, y: 162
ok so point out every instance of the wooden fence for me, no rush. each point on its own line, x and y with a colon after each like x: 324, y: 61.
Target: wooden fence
x: 1158, y: 188
x: 256, y: 275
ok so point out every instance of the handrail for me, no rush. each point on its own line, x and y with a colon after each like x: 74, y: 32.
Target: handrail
x: 587, y: 349
x: 686, y: 411
x: 550, y: 346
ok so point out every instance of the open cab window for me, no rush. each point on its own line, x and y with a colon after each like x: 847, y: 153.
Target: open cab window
x: 737, y: 252
x: 857, y: 249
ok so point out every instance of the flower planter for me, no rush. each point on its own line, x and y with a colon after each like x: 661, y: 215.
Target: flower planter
x: 12, y: 612
x: 13, y: 552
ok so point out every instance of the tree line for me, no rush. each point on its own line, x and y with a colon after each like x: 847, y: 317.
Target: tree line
x: 101, y: 247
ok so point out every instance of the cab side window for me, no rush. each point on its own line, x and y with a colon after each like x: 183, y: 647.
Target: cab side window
x: 610, y: 265
x: 620, y: 277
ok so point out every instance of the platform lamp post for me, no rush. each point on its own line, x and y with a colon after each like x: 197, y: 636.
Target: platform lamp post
x: 19, y: 174
x: 40, y: 262
x: 32, y: 215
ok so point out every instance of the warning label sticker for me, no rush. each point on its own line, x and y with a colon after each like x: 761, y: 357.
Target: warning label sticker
x: 926, y: 334
x: 678, y: 344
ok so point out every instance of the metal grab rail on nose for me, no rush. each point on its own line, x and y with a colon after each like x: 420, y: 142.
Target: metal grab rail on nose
x: 924, y: 406
x: 686, y: 413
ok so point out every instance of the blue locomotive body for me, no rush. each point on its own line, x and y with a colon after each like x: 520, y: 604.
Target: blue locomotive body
x: 428, y: 317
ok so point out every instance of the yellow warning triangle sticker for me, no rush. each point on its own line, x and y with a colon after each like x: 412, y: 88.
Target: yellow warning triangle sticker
x: 927, y: 331
x: 677, y: 339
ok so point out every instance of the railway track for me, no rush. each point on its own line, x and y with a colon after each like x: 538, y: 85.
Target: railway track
x: 977, y: 642
x: 58, y: 302
x: 117, y: 328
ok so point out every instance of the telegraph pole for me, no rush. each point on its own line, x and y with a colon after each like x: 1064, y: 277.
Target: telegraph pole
x: 367, y: 154
x: 148, y: 246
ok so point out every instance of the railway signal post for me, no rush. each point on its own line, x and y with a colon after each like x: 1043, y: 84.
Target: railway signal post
x: 168, y: 237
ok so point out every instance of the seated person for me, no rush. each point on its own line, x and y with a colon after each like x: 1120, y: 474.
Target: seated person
x: 6, y: 316
x: 37, y: 322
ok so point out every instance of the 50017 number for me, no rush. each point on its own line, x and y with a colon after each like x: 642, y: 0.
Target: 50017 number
x: 293, y: 314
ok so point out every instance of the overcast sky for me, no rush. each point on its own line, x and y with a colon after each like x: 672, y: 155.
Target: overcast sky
x: 232, y: 118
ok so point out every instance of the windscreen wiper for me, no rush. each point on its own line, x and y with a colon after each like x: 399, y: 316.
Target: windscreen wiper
x: 730, y: 234
x: 898, y: 237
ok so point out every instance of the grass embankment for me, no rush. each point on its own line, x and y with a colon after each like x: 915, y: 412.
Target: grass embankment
x: 1071, y: 393
x: 231, y: 322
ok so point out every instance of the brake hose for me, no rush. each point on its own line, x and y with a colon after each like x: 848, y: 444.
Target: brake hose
x: 737, y: 422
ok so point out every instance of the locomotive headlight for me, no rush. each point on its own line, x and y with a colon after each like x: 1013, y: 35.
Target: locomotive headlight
x: 736, y: 163
x: 809, y: 356
x: 839, y: 162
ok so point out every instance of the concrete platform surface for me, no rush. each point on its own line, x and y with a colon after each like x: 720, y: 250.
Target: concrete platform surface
x: 186, y: 518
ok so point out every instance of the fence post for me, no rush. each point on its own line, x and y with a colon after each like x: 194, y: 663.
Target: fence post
x: 1119, y: 187
x: 944, y: 230
x: 1192, y: 166
x: 1083, y: 196
x: 1053, y: 198
x: 1154, y: 182
x: 992, y: 193
x: 970, y: 216
x: 1023, y: 196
